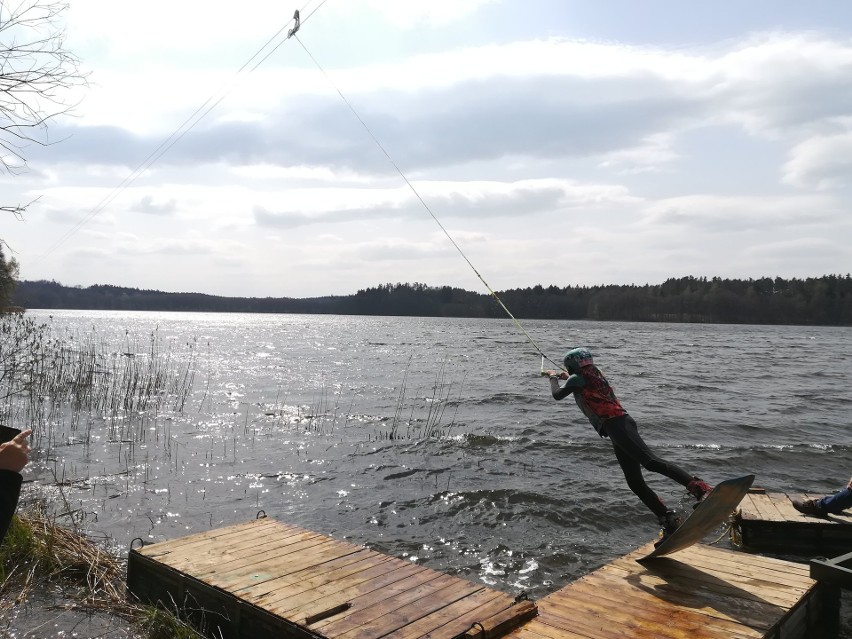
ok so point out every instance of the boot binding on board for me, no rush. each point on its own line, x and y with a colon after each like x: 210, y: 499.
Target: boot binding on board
x: 669, y: 522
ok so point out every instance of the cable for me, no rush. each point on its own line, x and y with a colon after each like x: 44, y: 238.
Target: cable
x: 423, y: 202
x: 214, y: 101
x: 211, y: 103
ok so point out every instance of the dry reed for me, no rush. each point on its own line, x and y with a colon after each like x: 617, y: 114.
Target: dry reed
x: 38, y: 553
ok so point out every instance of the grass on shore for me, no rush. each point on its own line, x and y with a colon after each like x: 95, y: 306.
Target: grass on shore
x: 37, y: 552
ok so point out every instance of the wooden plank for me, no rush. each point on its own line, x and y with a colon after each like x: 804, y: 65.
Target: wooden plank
x: 218, y: 552
x: 305, y: 550
x: 593, y: 626
x: 311, y: 576
x: 265, y: 569
x: 417, y: 608
x: 235, y: 571
x: 750, y: 508
x: 254, y: 527
x: 392, y: 583
x: 665, y: 622
x: 371, y: 616
x: 270, y: 591
x: 722, y: 605
x: 742, y: 569
x: 708, y: 600
x: 765, y: 510
x: 455, y: 618
x: 216, y: 558
x: 738, y: 622
x: 785, y: 506
x: 664, y: 596
x: 538, y: 628
x: 311, y: 571
x: 304, y: 603
x: 708, y: 582
x: 248, y: 545
x: 774, y: 507
x: 747, y: 507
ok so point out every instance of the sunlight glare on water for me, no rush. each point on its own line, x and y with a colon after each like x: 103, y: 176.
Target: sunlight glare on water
x: 437, y: 440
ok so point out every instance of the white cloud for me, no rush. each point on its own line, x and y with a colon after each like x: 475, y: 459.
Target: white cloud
x: 182, y: 246
x: 149, y: 206
x: 471, y: 200
x: 651, y: 154
x: 783, y: 82
x: 623, y: 105
x: 728, y: 214
x: 163, y: 28
x: 411, y: 13
x: 798, y: 248
x: 821, y: 162
x: 530, y: 143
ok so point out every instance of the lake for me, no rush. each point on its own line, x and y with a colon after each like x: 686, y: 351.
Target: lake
x: 437, y: 439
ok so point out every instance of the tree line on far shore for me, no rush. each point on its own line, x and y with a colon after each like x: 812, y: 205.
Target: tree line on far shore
x: 825, y: 300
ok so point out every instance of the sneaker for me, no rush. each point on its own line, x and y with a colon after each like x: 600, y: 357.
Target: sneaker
x: 669, y: 522
x: 698, y: 489
x: 808, y: 507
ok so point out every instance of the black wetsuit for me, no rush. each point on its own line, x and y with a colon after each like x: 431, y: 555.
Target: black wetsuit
x: 598, y: 402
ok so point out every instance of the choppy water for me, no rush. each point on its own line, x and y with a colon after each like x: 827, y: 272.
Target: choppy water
x: 290, y: 415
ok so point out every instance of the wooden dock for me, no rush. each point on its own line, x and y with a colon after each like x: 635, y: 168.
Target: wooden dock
x: 768, y: 521
x: 268, y: 579
x: 698, y: 593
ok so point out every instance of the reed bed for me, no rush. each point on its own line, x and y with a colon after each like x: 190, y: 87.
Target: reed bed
x: 47, y: 376
x: 434, y: 405
x: 418, y: 414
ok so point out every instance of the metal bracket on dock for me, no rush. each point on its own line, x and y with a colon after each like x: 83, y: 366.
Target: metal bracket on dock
x: 139, y: 539
x: 261, y: 514
x: 837, y: 571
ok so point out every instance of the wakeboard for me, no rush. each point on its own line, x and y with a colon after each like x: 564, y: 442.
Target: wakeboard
x: 709, y: 514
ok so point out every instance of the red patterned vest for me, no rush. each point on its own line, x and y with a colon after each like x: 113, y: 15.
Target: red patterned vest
x: 596, y: 398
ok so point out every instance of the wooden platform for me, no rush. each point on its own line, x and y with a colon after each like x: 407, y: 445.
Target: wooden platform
x: 698, y: 593
x: 768, y: 521
x: 268, y: 579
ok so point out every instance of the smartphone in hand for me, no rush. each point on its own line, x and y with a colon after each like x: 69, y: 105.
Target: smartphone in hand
x: 7, y: 433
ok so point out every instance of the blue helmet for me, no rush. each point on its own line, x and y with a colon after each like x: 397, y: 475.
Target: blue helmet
x: 576, y: 358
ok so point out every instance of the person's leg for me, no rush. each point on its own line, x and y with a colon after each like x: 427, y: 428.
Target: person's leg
x: 837, y: 502
x: 633, y: 474
x: 625, y: 435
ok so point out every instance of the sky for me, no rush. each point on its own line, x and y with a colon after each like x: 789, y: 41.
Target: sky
x: 553, y: 142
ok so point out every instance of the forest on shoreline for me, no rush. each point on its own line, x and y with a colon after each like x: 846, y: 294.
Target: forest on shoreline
x: 825, y: 300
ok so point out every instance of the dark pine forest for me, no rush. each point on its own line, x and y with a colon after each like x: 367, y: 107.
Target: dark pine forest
x: 825, y: 300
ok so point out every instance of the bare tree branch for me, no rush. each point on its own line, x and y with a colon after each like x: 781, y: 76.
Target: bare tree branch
x: 18, y: 211
x: 36, y: 75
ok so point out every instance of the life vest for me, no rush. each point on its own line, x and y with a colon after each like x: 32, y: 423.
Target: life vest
x: 596, y: 398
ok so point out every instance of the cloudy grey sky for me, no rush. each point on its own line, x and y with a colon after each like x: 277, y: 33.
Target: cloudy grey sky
x: 558, y: 141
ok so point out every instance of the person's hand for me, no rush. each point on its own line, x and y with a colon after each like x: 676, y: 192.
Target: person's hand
x: 849, y: 485
x: 15, y: 453
x: 559, y: 374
